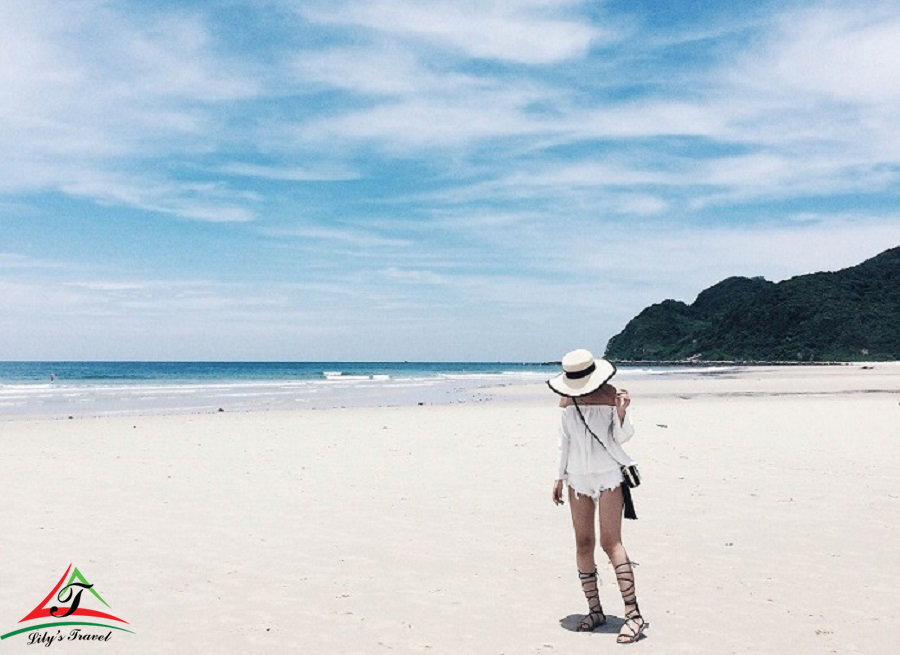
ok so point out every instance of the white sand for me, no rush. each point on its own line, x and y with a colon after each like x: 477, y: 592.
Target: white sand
x: 769, y: 523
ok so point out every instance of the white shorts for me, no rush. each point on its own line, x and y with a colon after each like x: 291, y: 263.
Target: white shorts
x: 593, y: 484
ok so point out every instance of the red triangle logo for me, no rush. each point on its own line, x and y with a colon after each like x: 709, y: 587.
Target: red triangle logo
x: 70, y: 592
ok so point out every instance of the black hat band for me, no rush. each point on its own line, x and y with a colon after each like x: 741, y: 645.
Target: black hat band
x: 577, y: 375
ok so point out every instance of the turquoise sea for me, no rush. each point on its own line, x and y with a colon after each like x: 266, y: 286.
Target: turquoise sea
x: 81, y: 388
x: 62, y: 389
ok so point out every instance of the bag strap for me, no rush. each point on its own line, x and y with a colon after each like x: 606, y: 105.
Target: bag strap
x: 583, y: 420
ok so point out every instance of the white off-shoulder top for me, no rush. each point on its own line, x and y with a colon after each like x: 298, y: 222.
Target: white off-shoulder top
x: 579, y: 452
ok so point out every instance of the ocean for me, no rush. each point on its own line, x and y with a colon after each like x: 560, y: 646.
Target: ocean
x: 46, y: 389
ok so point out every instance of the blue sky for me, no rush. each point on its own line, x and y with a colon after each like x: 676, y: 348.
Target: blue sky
x: 400, y: 180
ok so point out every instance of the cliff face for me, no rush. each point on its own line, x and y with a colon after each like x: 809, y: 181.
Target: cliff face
x: 852, y: 314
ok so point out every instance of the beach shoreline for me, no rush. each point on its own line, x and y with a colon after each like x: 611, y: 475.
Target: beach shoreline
x: 65, y: 400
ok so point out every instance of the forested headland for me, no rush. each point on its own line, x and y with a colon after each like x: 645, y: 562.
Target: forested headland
x: 847, y: 315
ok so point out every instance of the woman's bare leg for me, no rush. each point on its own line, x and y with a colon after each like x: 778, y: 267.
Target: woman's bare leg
x: 611, y: 541
x: 585, y: 537
x: 585, y: 540
x: 611, y: 526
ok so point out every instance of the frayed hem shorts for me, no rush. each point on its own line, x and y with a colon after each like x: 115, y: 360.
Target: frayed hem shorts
x: 593, y: 484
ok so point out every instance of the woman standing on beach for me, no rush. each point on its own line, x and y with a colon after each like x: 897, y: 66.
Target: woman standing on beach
x: 594, y: 424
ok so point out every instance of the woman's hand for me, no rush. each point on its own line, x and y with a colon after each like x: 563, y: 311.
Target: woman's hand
x: 623, y: 400
x: 557, y: 492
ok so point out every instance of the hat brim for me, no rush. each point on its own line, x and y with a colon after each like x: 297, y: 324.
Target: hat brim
x: 575, y: 388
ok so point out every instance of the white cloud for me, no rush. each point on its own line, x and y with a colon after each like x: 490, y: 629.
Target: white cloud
x: 521, y: 31
x: 17, y: 261
x: 89, y: 91
x: 424, y: 124
x: 31, y: 300
x: 783, y: 105
x: 692, y: 257
x: 291, y: 173
x: 411, y: 276
x: 413, y: 103
x: 590, y: 174
x: 109, y: 286
x: 635, y: 204
x: 847, y: 54
x: 651, y: 117
x: 356, y: 238
x: 379, y: 70
x: 207, y: 201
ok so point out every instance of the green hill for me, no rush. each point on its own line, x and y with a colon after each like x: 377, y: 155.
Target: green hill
x: 852, y: 314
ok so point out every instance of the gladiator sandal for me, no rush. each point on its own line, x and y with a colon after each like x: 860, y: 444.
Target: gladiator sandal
x: 595, y: 616
x: 634, y: 625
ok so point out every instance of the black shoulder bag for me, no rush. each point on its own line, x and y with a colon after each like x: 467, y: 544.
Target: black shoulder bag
x: 629, y: 472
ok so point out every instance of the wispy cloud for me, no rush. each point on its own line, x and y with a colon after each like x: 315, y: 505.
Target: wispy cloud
x: 204, y: 201
x: 831, y: 52
x: 11, y: 261
x: 520, y: 31
x: 821, y: 140
x: 342, y: 236
x: 92, y: 92
x: 291, y: 173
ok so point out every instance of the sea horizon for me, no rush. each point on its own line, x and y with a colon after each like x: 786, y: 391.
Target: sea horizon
x: 57, y: 388
x: 48, y: 388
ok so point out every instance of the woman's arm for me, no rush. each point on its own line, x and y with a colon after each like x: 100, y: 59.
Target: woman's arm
x: 623, y: 430
x: 563, y: 447
x: 563, y: 458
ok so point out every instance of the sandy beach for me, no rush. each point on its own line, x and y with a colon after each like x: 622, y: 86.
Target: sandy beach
x: 769, y: 522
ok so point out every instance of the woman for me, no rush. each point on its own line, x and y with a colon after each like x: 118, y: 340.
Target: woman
x: 594, y: 424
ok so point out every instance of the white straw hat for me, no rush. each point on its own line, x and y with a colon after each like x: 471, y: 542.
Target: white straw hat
x: 582, y: 374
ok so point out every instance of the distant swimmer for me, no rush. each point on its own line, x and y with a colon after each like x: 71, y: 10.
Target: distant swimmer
x: 52, y: 377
